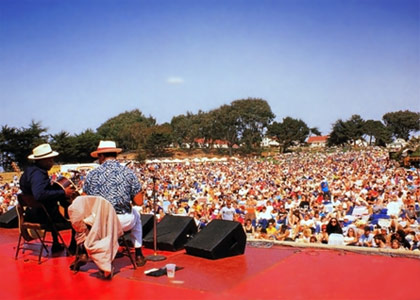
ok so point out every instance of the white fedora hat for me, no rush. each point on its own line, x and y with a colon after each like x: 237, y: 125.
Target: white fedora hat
x: 106, y: 147
x: 42, y: 151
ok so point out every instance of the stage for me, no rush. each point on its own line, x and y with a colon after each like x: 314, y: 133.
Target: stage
x: 265, y: 271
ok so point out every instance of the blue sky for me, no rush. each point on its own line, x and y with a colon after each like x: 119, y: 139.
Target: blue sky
x: 74, y: 64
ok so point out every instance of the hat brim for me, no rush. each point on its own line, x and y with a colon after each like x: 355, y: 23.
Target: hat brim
x: 52, y: 154
x: 94, y: 154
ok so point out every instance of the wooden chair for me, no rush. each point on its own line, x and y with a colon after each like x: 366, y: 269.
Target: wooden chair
x: 31, y: 232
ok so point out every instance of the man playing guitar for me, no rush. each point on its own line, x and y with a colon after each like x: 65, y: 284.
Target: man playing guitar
x: 36, y: 182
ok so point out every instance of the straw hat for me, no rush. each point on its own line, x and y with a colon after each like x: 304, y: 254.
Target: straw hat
x: 106, y: 147
x: 42, y: 151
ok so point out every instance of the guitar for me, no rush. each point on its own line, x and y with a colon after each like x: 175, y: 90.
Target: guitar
x: 63, y: 183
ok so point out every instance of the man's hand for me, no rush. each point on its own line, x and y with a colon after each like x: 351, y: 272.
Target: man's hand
x: 69, y: 191
x: 138, y: 199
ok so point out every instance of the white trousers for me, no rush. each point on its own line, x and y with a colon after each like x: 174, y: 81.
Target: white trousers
x: 132, y: 221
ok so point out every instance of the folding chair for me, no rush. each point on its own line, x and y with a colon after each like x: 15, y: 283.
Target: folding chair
x: 32, y: 231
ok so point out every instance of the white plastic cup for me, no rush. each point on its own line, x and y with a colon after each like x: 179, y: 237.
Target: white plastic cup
x: 170, y: 270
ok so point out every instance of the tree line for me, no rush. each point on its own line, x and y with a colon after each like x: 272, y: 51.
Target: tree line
x: 242, y: 125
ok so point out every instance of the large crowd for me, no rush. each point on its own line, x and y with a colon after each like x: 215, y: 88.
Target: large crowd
x: 8, y: 194
x: 357, y: 198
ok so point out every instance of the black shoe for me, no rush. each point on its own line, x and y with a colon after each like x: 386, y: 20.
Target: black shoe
x: 140, y: 261
x: 107, y: 275
x: 80, y: 260
x: 56, y: 247
x: 72, y: 248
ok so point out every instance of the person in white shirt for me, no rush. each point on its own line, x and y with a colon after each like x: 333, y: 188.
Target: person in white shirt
x: 393, y: 207
x: 307, y: 221
x: 227, y: 212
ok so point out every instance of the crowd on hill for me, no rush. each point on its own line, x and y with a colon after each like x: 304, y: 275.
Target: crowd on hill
x: 356, y: 198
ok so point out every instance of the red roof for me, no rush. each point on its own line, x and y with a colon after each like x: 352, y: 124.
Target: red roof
x: 318, y: 139
x: 216, y: 142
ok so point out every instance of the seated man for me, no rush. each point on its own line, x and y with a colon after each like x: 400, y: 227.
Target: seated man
x: 120, y: 186
x: 367, y: 238
x: 36, y: 182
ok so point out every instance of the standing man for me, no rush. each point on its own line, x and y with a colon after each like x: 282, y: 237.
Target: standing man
x: 36, y: 182
x: 227, y: 212
x: 120, y: 186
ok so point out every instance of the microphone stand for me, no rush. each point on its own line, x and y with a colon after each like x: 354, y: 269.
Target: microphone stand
x: 155, y: 256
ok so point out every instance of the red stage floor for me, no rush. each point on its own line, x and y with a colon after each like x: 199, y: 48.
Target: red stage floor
x: 278, y: 272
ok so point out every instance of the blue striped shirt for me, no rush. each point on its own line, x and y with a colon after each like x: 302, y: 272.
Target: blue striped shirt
x: 115, y: 182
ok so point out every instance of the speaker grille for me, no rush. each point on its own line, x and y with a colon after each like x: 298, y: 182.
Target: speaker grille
x: 9, y: 219
x: 218, y: 239
x: 173, y: 232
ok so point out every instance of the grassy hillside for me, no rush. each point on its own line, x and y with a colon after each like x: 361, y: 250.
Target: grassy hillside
x: 8, y: 176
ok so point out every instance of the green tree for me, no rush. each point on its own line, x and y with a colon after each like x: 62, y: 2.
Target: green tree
x: 158, y: 141
x: 376, y: 130
x: 64, y: 144
x: 124, y: 128
x: 402, y: 123
x: 8, y: 144
x: 185, y: 129
x: 355, y: 126
x: 315, y: 131
x: 254, y: 115
x: 141, y: 154
x: 85, y: 143
x: 226, y: 123
x: 347, y: 131
x: 288, y: 131
x: 338, y: 135
x: 75, y: 148
x: 205, y: 128
x: 17, y: 144
x: 243, y: 122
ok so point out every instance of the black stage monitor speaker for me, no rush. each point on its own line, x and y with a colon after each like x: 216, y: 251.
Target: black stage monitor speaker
x: 146, y: 223
x: 218, y: 239
x: 9, y: 219
x: 173, y: 232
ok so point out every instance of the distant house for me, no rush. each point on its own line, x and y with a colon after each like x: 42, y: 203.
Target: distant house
x: 318, y: 141
x: 268, y: 142
x: 361, y: 143
x: 397, y: 145
x: 216, y: 144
